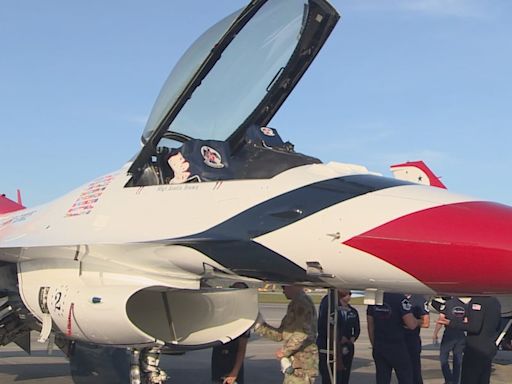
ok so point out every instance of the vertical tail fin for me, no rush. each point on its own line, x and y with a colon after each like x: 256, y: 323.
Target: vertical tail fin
x: 417, y: 172
x: 7, y: 205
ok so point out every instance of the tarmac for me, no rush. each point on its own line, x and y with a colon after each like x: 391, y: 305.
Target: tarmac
x: 16, y: 367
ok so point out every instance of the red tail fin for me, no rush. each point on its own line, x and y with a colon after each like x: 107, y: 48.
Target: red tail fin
x: 418, y: 172
x: 7, y: 205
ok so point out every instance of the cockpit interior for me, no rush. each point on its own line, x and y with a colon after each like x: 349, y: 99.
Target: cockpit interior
x: 261, y: 154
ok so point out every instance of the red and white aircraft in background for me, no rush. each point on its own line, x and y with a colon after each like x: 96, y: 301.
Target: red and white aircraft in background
x: 417, y: 172
x: 216, y: 194
x: 7, y: 205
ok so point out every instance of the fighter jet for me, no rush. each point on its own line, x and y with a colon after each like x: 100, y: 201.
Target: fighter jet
x: 125, y: 262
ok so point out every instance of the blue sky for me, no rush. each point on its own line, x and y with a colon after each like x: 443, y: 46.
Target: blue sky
x: 398, y: 80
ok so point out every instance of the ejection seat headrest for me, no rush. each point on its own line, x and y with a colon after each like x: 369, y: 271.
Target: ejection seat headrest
x: 201, y: 160
x: 263, y: 136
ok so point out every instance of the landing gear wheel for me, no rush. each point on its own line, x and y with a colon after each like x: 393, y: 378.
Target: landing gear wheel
x: 144, y: 366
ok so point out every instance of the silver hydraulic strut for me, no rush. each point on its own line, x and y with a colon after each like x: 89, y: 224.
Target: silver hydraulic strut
x: 332, y: 333
x: 144, y: 366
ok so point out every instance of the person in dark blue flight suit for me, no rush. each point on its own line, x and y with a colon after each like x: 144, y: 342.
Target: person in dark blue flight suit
x: 347, y: 333
x: 386, y: 324
x: 412, y: 337
x: 482, y: 325
x: 453, y: 340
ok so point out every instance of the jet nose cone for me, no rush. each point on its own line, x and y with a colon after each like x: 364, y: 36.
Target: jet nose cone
x: 455, y: 248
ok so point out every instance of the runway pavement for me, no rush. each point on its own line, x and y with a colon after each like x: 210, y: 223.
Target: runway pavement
x: 260, y: 365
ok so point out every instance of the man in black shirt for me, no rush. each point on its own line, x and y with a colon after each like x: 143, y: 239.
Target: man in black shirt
x: 386, y: 324
x: 453, y: 339
x: 228, y: 359
x: 482, y: 325
x: 412, y: 337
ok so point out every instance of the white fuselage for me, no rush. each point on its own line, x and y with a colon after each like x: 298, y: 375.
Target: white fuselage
x: 153, y: 216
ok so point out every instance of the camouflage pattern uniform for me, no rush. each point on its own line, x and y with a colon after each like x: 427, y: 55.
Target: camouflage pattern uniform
x: 298, y: 334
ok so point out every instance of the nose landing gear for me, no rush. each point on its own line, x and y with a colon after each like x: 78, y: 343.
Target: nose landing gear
x: 144, y: 366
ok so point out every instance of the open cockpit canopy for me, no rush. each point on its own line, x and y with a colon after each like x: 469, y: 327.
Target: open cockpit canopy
x: 237, y: 74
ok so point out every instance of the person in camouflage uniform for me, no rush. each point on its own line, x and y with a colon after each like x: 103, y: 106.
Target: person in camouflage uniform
x: 298, y: 334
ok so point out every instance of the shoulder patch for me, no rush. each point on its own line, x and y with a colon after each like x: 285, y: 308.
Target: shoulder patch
x: 406, y: 305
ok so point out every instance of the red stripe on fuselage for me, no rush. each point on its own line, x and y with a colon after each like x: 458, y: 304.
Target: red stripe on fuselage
x: 457, y: 248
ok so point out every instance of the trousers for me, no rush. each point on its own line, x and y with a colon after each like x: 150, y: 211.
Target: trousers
x: 456, y: 347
